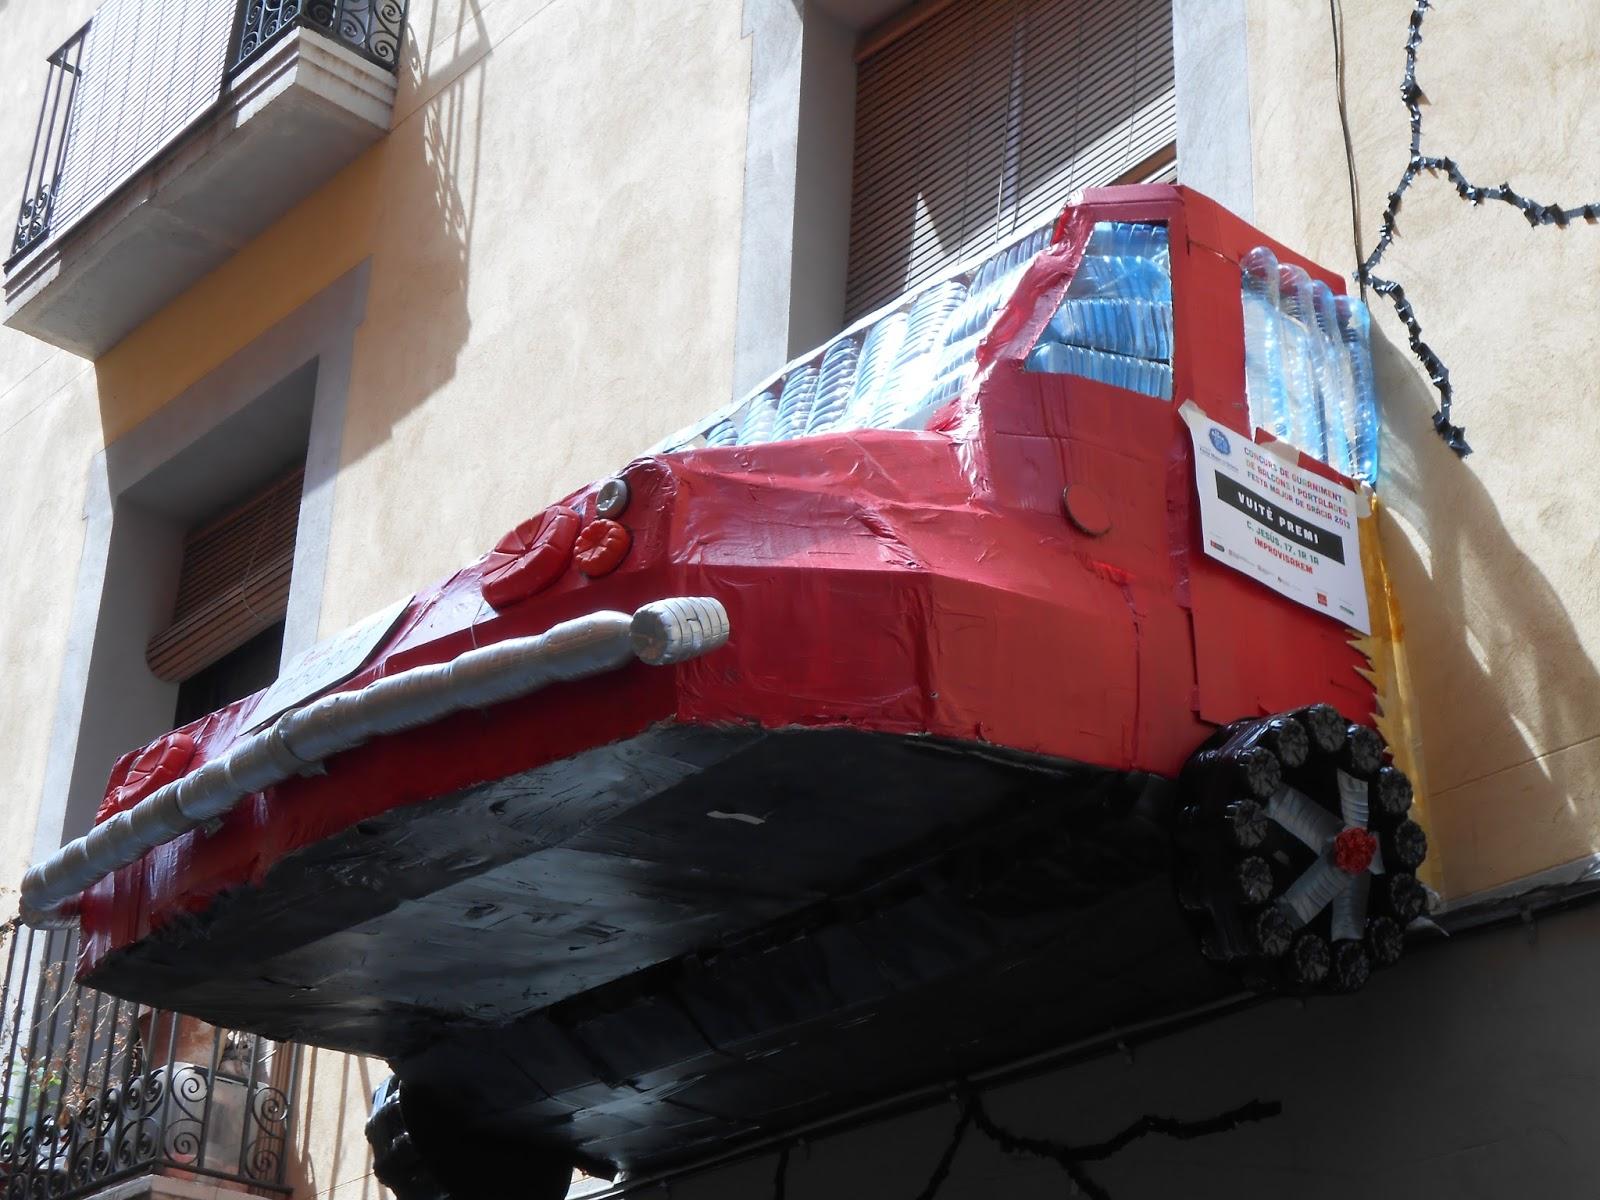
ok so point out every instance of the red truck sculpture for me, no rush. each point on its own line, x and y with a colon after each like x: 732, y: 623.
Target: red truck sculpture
x: 869, y: 735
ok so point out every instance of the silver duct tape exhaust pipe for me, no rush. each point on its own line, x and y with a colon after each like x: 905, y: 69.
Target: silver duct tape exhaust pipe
x: 660, y: 633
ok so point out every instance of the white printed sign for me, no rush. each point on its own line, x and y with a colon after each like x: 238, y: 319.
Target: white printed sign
x: 1267, y: 518
x: 331, y: 661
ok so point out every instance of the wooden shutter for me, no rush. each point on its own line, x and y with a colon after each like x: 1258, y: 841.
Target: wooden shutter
x: 234, y: 582
x: 151, y: 68
x: 982, y: 119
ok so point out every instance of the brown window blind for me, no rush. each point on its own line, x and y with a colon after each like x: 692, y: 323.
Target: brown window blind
x: 234, y: 582
x: 983, y: 118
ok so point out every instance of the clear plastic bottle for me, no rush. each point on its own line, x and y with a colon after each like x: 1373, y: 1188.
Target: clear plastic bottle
x: 1263, y: 350
x: 794, y: 403
x: 1355, y: 336
x: 927, y: 323
x: 1334, y: 382
x: 1298, y: 342
x: 1164, y: 381
x: 980, y: 303
x: 760, y: 415
x: 723, y: 433
x: 1050, y: 358
x: 875, y: 369
x: 835, y: 379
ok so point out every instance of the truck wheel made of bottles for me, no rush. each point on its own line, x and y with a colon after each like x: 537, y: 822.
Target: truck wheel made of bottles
x: 419, y: 1154
x: 1297, y: 858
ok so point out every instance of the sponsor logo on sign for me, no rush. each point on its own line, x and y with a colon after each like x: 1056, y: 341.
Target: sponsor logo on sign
x: 1220, y: 441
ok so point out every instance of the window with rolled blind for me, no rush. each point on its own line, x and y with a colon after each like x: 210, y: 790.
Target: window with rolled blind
x: 981, y: 119
x: 234, y: 582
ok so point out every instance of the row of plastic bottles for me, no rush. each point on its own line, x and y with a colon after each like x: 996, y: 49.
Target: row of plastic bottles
x: 1145, y: 240
x: 905, y: 366
x: 1308, y: 365
x: 1115, y: 322
x: 1141, y: 328
x: 1119, y: 370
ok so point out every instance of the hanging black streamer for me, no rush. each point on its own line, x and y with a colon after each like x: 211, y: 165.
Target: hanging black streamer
x: 1070, y: 1159
x: 941, y: 1171
x: 780, y: 1181
x: 1536, y: 213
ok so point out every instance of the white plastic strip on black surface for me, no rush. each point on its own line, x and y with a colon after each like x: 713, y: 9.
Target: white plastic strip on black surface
x: 1349, y: 910
x: 1314, y: 891
x: 1353, y: 800
x: 660, y: 633
x: 1303, y: 818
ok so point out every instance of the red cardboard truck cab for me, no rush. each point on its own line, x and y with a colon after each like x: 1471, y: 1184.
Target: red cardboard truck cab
x: 917, y: 814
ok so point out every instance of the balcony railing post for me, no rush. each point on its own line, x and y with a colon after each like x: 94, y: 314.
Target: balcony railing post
x: 291, y: 1088
x: 111, y: 1092
x: 11, y: 1137
x: 50, y: 139
x: 166, y: 1101
x: 46, y: 1014
x: 36, y: 1061
x: 9, y: 1043
x: 63, y: 1128
x: 208, y: 1104
x: 249, y: 1108
x: 79, y: 1099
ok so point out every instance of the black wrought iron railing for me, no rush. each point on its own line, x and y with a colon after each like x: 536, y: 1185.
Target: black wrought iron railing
x: 372, y: 28
x: 49, y: 153
x: 94, y: 1089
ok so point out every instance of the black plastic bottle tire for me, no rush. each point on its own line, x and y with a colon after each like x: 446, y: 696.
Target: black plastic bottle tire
x: 1297, y: 856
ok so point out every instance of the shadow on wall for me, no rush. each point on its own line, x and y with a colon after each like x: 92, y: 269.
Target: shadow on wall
x: 417, y: 307
x: 328, y: 1148
x: 1494, y: 655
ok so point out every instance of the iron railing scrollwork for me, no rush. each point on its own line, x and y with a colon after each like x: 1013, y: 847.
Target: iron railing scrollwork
x: 94, y: 1089
x: 372, y: 28
x: 49, y: 153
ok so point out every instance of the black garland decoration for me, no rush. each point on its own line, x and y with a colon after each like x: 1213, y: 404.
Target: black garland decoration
x: 1070, y: 1159
x: 941, y: 1170
x: 780, y: 1181
x: 1536, y: 213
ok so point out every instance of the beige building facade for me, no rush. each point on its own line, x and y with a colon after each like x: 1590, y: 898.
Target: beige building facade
x: 583, y: 225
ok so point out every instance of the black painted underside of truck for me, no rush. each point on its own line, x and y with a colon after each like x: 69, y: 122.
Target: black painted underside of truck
x: 700, y: 936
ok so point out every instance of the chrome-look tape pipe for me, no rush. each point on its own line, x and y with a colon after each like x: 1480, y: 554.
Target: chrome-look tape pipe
x: 660, y: 633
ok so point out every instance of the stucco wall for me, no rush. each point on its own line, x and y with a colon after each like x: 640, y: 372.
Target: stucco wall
x: 1493, y: 555
x: 552, y: 229
x: 49, y: 429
